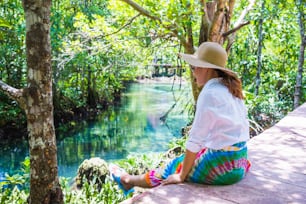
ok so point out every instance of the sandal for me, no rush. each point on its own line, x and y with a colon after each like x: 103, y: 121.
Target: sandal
x: 116, y: 172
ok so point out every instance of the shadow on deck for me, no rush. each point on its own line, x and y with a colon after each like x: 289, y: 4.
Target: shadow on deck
x: 277, y: 175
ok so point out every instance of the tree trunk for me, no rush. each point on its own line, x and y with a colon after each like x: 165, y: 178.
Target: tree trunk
x: 206, y: 21
x: 299, y: 76
x: 259, y: 56
x: 44, y: 182
x: 36, y: 101
x: 220, y: 22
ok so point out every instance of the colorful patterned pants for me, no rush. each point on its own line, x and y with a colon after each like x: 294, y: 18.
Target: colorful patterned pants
x: 217, y: 167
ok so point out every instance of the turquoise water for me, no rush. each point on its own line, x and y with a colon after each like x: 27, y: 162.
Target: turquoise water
x: 132, y: 127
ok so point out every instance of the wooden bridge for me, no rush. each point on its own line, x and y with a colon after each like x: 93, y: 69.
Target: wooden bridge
x: 277, y: 175
x: 167, y: 70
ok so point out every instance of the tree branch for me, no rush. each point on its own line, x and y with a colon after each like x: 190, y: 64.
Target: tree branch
x: 83, y: 35
x: 239, y: 24
x: 125, y: 25
x: 244, y: 13
x: 171, y: 27
x: 235, y: 29
x: 141, y: 10
x: 13, y: 93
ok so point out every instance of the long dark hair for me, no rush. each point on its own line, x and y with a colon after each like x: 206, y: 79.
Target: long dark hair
x: 232, y: 82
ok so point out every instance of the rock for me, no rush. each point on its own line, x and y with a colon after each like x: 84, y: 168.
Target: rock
x: 170, y: 155
x: 138, y: 169
x: 93, y: 170
x: 185, y: 130
x: 174, y: 152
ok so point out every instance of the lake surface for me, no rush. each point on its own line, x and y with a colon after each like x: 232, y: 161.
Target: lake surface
x: 132, y: 127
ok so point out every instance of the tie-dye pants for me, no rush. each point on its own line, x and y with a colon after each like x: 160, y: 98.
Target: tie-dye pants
x: 217, y: 167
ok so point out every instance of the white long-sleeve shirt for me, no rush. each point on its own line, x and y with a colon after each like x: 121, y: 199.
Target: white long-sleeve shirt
x: 220, y: 119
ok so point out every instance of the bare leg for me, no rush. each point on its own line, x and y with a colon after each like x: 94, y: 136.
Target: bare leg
x: 129, y: 181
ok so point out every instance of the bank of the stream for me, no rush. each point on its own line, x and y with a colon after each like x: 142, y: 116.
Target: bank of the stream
x: 67, y: 115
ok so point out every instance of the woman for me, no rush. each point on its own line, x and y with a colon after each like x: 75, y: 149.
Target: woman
x: 216, y: 151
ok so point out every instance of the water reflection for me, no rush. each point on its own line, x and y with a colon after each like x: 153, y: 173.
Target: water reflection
x: 134, y: 126
x: 11, y: 157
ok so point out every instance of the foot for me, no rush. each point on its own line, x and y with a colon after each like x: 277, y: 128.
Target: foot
x: 124, y: 179
x: 121, y: 178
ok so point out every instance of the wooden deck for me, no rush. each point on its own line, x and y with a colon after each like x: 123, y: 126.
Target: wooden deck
x: 277, y: 175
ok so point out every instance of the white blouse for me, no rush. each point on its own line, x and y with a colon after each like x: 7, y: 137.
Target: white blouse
x: 220, y: 119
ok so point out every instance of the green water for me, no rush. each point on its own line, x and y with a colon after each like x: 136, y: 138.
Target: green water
x: 132, y: 127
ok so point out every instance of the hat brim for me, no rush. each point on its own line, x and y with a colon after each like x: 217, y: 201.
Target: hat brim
x: 192, y: 60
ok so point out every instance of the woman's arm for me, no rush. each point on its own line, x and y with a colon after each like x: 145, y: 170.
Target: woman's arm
x: 187, y: 165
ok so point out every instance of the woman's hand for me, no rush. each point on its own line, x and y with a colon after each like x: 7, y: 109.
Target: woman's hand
x: 173, y: 179
x: 186, y: 167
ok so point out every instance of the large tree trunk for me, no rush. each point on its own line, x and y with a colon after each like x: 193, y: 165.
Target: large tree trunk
x: 298, y: 86
x: 220, y: 22
x: 36, y: 101
x: 44, y: 182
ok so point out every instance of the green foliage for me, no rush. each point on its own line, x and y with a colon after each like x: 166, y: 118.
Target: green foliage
x: 4, y: 23
x: 140, y: 163
x: 12, y: 50
x: 267, y: 110
x: 15, y: 189
x: 90, y: 193
x: 20, y: 180
x: 89, y: 59
x: 99, y: 45
x: 178, y: 142
x: 12, y: 57
x: 14, y: 180
x: 279, y: 61
x: 10, y: 112
x: 89, y: 65
x: 15, y: 196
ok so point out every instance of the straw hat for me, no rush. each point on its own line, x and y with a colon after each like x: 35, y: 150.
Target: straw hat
x: 208, y: 55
